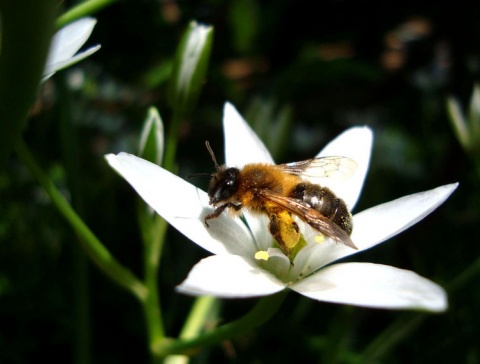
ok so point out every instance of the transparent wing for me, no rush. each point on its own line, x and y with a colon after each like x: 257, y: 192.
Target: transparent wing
x: 310, y: 216
x: 325, y: 167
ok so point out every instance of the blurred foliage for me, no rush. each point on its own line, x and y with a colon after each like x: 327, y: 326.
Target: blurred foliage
x: 315, y: 72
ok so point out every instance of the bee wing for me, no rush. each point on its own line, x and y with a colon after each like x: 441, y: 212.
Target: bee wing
x: 310, y: 216
x: 324, y: 167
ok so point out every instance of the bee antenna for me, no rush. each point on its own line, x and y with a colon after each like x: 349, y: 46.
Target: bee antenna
x: 207, y: 144
x: 199, y: 175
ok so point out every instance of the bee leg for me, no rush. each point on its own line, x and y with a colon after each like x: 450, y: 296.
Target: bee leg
x: 219, y: 210
x: 284, y: 230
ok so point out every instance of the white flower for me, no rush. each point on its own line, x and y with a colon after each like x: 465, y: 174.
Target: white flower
x: 66, y: 42
x: 246, y: 264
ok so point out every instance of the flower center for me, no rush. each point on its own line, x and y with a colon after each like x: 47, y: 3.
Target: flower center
x: 298, y: 264
x: 274, y: 261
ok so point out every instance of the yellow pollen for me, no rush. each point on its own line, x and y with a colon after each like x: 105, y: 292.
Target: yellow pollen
x: 261, y: 255
x: 320, y: 239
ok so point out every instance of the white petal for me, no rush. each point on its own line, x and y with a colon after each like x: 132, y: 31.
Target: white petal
x: 373, y: 285
x: 381, y: 222
x: 229, y: 276
x: 242, y: 145
x: 355, y: 143
x: 184, y: 206
x: 258, y: 225
x: 308, y: 260
x: 68, y: 40
x: 50, y: 69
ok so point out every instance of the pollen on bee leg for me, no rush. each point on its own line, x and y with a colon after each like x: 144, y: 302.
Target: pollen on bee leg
x: 319, y: 239
x: 262, y: 255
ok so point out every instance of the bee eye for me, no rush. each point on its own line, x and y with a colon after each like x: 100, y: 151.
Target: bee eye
x: 224, y: 187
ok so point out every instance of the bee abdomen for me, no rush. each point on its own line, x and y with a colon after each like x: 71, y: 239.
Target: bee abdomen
x: 325, y: 202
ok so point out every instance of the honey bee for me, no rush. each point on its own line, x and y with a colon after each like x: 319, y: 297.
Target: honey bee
x: 282, y: 192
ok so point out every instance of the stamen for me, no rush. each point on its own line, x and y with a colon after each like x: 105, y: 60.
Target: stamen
x: 320, y: 239
x: 262, y: 255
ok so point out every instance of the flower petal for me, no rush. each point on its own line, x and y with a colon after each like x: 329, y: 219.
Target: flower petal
x: 373, y: 285
x: 50, y: 69
x: 258, y: 225
x: 312, y: 257
x: 68, y: 40
x: 229, y: 276
x: 184, y: 206
x: 379, y: 223
x: 355, y: 143
x: 242, y: 145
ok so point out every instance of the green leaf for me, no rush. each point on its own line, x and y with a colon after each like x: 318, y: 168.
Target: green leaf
x: 27, y: 27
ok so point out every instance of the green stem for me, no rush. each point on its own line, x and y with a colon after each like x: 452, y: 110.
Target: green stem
x: 407, y: 323
x: 172, y: 141
x: 92, y: 245
x: 86, y: 8
x: 392, y: 336
x: 153, y: 229
x: 26, y: 30
x: 196, y: 319
x: 69, y: 147
x: 262, y: 312
x: 467, y: 274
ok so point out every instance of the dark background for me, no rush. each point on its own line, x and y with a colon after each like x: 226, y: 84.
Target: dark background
x: 325, y: 66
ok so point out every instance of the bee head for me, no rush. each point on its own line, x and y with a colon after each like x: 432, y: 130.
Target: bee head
x: 224, y: 182
x: 224, y: 185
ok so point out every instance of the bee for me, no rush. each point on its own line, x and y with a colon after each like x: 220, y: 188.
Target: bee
x: 282, y: 192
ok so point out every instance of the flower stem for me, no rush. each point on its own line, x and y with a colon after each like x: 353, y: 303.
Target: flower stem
x: 69, y: 147
x: 262, y: 312
x: 408, y: 322
x: 90, y: 243
x: 172, y: 141
x: 153, y: 229
x: 471, y: 271
x: 201, y: 310
x: 85, y: 8
x: 392, y: 336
